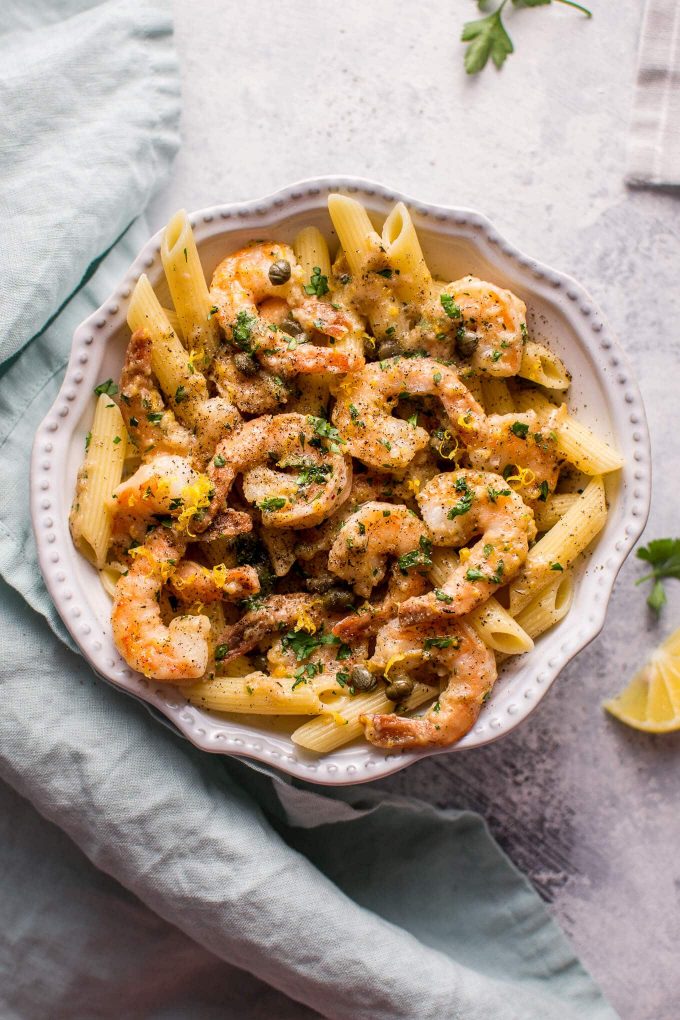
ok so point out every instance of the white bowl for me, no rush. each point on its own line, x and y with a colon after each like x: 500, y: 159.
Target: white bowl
x: 456, y: 241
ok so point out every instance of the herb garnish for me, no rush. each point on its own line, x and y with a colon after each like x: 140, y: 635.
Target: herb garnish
x: 450, y: 306
x: 318, y: 283
x: 663, y: 555
x: 109, y: 388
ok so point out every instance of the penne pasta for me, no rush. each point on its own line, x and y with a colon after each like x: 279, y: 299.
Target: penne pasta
x: 100, y: 473
x: 173, y: 318
x: 358, y: 238
x: 494, y: 624
x: 171, y: 364
x: 264, y: 695
x: 575, y: 441
x: 542, y: 366
x: 188, y: 287
x: 311, y: 251
x: 108, y: 576
x: 548, y: 514
x: 405, y: 256
x: 560, y: 546
x: 548, y: 608
x: 343, y: 725
x: 496, y: 396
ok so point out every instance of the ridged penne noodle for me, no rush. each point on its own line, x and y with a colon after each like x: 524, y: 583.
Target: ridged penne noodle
x: 405, y: 256
x: 99, y: 475
x: 169, y: 359
x: 560, y: 546
x: 358, y: 237
x: 548, y: 514
x: 474, y: 385
x: 343, y: 725
x: 496, y: 396
x: 311, y: 251
x: 548, y: 608
x: 575, y: 441
x: 108, y: 577
x: 264, y: 695
x: 542, y: 366
x: 188, y: 287
x: 173, y: 318
x: 493, y: 623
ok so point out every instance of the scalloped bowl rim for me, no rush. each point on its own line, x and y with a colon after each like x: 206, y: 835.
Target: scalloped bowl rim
x: 360, y: 762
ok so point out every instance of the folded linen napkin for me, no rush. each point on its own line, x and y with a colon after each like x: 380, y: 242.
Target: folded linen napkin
x: 257, y: 873
x: 654, y: 143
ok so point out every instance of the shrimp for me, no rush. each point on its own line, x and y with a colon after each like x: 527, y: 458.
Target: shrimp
x: 365, y: 400
x: 177, y: 652
x: 491, y: 324
x: 243, y: 287
x: 275, y: 613
x: 156, y: 487
x: 522, y: 447
x: 191, y: 582
x: 265, y: 449
x: 457, y: 506
x: 370, y: 536
x: 469, y: 669
x: 253, y: 392
x: 153, y: 428
x: 371, y: 617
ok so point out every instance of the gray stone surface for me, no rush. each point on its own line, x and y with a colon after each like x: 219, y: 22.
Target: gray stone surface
x: 277, y: 92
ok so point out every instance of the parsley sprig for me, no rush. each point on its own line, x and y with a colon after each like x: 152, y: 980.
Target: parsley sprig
x: 487, y: 37
x: 663, y: 555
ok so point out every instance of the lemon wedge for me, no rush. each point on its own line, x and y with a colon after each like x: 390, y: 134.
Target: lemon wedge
x: 651, y: 701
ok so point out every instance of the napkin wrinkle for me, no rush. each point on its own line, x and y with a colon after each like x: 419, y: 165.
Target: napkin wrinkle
x: 120, y: 48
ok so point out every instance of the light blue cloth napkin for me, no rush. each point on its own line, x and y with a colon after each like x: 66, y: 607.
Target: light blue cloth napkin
x: 162, y: 882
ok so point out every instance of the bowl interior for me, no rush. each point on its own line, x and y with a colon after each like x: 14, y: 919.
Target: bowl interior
x: 455, y: 242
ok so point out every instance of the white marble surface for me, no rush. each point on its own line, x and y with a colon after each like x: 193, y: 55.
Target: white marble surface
x: 277, y: 92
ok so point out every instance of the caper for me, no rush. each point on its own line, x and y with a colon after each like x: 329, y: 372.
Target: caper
x: 389, y: 349
x: 245, y: 363
x: 279, y: 272
x: 362, y: 679
x: 259, y: 662
x: 466, y: 343
x: 399, y: 689
x: 319, y: 585
x: 291, y: 326
x: 338, y: 598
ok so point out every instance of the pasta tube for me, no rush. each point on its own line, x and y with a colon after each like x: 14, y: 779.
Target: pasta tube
x: 542, y: 366
x: 311, y: 252
x: 264, y: 695
x: 560, y: 546
x: 343, y: 725
x: 575, y: 442
x: 494, y: 624
x: 188, y: 288
x: 413, y: 281
x: 100, y: 473
x: 548, y: 514
x: 496, y: 396
x: 169, y: 360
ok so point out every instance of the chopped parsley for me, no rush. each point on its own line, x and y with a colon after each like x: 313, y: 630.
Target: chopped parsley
x: 450, y: 306
x: 543, y: 491
x: 181, y: 394
x: 186, y: 257
x: 109, y: 388
x: 441, y: 596
x: 116, y: 440
x: 465, y: 501
x: 221, y: 652
x: 663, y: 555
x: 354, y: 415
x: 155, y: 417
x: 318, y: 283
x: 272, y: 503
x: 311, y: 473
x: 88, y: 440
x: 420, y: 557
x: 325, y: 431
x: 440, y: 642
x: 437, y: 378
x: 519, y: 429
x: 556, y: 566
x: 242, y: 330
x: 219, y: 460
x: 385, y: 273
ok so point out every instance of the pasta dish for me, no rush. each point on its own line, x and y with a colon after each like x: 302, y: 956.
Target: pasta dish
x: 338, y: 492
